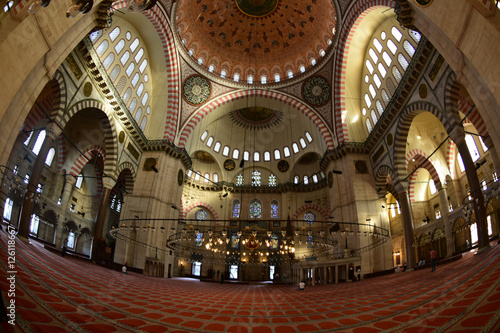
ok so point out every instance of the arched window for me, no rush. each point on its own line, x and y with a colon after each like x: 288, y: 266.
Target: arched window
x: 225, y: 151
x: 135, y: 79
x: 138, y: 115
x: 382, y: 69
x: 140, y: 89
x: 217, y: 146
x: 306, y: 180
x: 274, y: 209
x: 309, y: 137
x: 130, y: 69
x: 39, y: 142
x: 309, y: 217
x: 204, y: 136
x: 115, y: 72
x: 79, y: 181
x: 286, y: 151
x: 256, y: 178
x: 133, y: 105
x: 206, y: 179
x: 7, y: 210
x: 114, y: 33
x: 211, y: 68
x: 236, y: 209
x: 210, y: 141
x: 134, y: 44
x: 302, y: 142
x: 263, y: 79
x: 380, y: 108
x: 290, y: 74
x: 315, y: 178
x: 256, y: 156
x: 255, y: 209
x: 471, y: 144
x: 246, y: 155
x: 397, y: 74
x: 236, y: 77
x: 216, y: 178
x: 108, y: 61
x: 200, y: 215
x: 302, y: 68
x: 374, y: 117
x: 102, y: 48
x: 142, y: 67
x: 296, y: 179
x: 125, y: 58
x: 272, y: 180
x: 50, y: 156
x: 27, y: 141
x: 236, y: 153
x: 250, y: 79
x: 409, y: 48
x: 223, y: 74
x: 402, y: 61
x: 276, y: 78
x: 369, y: 125
x: 295, y: 148
x: 143, y: 123
x: 119, y: 46
x: 396, y: 33
x: 277, y: 154
x: 432, y: 187
x: 267, y: 156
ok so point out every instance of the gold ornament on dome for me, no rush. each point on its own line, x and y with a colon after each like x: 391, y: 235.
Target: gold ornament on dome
x: 423, y: 3
x: 283, y: 166
x: 205, y: 157
x: 422, y: 91
x: 229, y: 165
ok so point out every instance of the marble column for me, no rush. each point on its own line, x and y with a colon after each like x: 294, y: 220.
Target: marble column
x: 52, y: 131
x: 336, y: 268
x: 108, y: 185
x: 408, y: 226
x: 443, y: 199
x: 478, y: 202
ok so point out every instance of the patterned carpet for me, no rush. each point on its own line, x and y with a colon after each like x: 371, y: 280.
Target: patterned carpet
x: 55, y: 294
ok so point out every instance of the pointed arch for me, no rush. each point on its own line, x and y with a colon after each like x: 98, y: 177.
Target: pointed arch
x: 278, y: 96
x: 351, y: 22
x: 303, y: 208
x: 384, y: 180
x: 83, y: 159
x: 108, y: 130
x: 402, y: 130
x: 205, y: 205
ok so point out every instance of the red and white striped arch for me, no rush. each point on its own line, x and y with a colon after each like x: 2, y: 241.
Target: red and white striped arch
x: 219, y: 101
x: 83, y: 159
x: 356, y: 14
x: 159, y: 19
x: 450, y: 158
x: 310, y: 206
x: 473, y: 116
x: 185, y: 211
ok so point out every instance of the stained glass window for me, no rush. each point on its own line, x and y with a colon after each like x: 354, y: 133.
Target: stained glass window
x: 309, y: 217
x: 274, y: 209
x: 199, y: 239
x: 236, y: 209
x: 272, y: 180
x: 239, y: 180
x: 201, y: 215
x: 310, y: 241
x: 256, y: 178
x: 255, y: 209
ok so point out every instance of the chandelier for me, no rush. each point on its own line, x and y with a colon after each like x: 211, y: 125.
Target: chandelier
x: 255, y: 242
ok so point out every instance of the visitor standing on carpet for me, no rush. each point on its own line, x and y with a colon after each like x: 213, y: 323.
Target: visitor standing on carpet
x: 302, y: 285
x: 124, y: 269
x: 434, y: 255
x: 359, y: 274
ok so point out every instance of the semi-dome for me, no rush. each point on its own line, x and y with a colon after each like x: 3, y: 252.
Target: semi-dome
x: 256, y: 38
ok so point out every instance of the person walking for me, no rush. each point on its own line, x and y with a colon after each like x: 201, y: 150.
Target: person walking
x: 434, y: 255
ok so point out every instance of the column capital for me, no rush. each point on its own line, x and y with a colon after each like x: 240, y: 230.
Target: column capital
x: 457, y: 134
x: 401, y: 187
x: 70, y: 179
x: 52, y: 131
x: 108, y: 182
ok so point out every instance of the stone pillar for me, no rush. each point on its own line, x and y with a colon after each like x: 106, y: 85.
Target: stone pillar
x: 478, y: 202
x: 325, y: 277
x: 108, y: 184
x: 408, y: 226
x: 336, y: 274
x: 52, y: 131
x: 443, y: 198
x: 488, y: 142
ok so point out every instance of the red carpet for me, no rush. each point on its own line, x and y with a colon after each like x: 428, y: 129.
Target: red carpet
x: 55, y: 294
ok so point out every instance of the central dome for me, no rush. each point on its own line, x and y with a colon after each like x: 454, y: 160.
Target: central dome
x: 256, y: 38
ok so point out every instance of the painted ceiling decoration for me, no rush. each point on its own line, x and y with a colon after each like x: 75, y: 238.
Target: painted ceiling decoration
x: 257, y: 8
x: 316, y: 91
x: 196, y: 89
x: 258, y: 37
x: 256, y: 117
